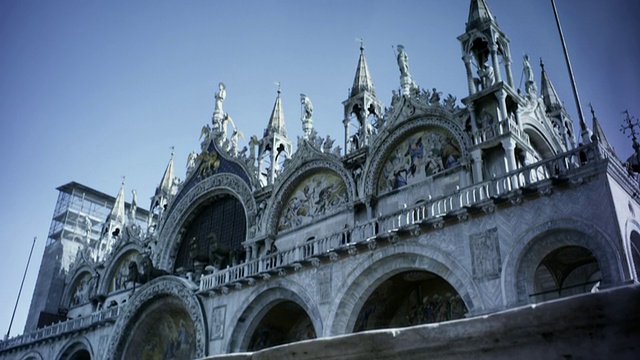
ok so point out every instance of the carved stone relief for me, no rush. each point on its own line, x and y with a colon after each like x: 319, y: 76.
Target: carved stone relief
x: 485, y: 254
x: 217, y: 318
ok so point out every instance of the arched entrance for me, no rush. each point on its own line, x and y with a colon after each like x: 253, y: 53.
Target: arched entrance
x: 282, y: 323
x: 566, y: 271
x: 410, y: 298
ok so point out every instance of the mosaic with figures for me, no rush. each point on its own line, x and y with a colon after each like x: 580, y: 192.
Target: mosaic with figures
x: 316, y: 196
x: 418, y: 156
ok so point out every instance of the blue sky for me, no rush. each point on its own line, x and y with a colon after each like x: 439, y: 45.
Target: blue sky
x: 91, y: 91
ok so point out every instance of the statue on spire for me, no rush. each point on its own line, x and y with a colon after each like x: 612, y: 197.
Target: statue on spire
x: 406, y: 82
x: 218, y: 113
x: 307, y: 115
x: 529, y: 84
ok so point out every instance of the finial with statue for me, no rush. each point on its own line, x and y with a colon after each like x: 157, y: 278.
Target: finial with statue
x: 307, y: 115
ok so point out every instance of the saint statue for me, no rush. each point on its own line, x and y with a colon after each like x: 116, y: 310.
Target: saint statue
x: 218, y: 114
x: 307, y: 110
x: 528, y: 73
x: 403, y: 61
x: 221, y: 94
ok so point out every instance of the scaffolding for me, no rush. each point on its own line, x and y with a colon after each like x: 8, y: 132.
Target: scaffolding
x: 80, y: 214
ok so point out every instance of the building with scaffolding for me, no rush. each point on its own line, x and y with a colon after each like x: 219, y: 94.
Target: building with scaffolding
x: 456, y: 222
x: 77, y: 226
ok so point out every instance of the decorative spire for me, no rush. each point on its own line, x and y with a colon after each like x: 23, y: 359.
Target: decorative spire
x: 598, y: 133
x: 276, y: 122
x: 630, y: 124
x: 117, y: 215
x: 362, y: 82
x: 548, y: 92
x: 164, y: 189
x: 479, y: 14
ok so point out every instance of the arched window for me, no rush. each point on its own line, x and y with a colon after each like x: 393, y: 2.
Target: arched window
x: 566, y: 271
x: 215, y: 235
x: 410, y: 298
x: 284, y: 323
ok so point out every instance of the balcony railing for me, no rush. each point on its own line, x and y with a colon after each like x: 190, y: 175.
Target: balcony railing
x: 463, y: 199
x: 498, y: 129
x: 97, y: 318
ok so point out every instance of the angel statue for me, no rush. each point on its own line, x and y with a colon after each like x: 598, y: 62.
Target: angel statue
x: 403, y: 61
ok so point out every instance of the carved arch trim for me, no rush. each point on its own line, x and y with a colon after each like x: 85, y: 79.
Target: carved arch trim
x: 257, y: 301
x: 75, y: 344
x: 169, y: 238
x: 370, y: 273
x: 31, y: 355
x: 285, y: 188
x: 157, y: 289
x: 386, y: 145
x: 538, y: 241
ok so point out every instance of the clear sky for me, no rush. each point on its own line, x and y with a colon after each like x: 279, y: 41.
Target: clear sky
x: 91, y: 91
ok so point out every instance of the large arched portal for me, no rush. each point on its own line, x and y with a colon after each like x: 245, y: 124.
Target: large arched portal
x: 566, y: 271
x: 410, y: 298
x: 283, y: 323
x: 164, y: 330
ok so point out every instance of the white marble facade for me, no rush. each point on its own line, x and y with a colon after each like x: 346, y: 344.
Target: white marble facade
x: 439, y: 215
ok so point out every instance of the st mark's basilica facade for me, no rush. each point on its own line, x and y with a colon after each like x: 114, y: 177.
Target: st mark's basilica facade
x: 428, y: 210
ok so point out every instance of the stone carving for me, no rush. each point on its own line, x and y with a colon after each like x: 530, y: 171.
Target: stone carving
x: 529, y: 84
x: 218, y: 315
x: 409, y: 87
x: 324, y: 285
x: 403, y: 61
x: 425, y: 153
x: 218, y: 113
x: 307, y: 115
x: 450, y: 103
x: 485, y: 254
x: 233, y: 150
x: 487, y: 77
x: 315, y: 196
x: 205, y: 136
x: 191, y: 162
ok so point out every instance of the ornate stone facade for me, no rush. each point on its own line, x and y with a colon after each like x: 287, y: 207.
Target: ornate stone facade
x: 432, y: 212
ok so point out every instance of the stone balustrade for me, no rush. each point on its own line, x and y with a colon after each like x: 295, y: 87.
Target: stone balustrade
x: 63, y: 327
x: 498, y: 129
x: 456, y: 204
